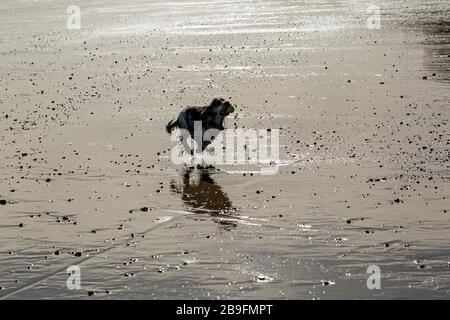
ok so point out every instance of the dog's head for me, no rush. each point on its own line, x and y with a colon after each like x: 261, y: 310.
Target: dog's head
x: 220, y: 106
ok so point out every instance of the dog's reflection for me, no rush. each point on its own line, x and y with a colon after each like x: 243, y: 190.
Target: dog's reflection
x: 202, y: 195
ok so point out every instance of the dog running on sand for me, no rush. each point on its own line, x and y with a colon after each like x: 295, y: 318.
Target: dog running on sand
x: 211, y: 117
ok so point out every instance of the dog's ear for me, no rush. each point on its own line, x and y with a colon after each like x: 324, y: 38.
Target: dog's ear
x: 216, y: 103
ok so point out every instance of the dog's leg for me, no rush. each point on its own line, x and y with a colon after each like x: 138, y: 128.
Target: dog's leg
x: 185, y: 144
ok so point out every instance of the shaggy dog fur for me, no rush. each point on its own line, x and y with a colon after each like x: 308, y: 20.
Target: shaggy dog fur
x: 211, y: 117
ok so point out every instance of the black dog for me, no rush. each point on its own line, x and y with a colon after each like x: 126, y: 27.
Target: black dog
x: 211, y: 117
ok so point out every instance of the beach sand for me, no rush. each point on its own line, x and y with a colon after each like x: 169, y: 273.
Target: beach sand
x: 87, y: 179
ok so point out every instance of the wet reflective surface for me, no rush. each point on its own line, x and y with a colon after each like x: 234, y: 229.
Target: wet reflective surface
x: 86, y: 176
x: 202, y: 195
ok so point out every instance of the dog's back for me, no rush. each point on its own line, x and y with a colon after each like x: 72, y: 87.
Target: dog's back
x: 186, y: 118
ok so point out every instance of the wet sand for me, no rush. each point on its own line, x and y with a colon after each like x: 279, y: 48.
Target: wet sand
x: 86, y: 177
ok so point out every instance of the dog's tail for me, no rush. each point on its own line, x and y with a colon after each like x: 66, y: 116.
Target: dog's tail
x: 171, y: 125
